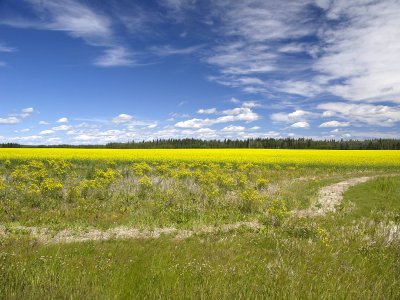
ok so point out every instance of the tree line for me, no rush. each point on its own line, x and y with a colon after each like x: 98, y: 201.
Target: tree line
x: 259, y: 143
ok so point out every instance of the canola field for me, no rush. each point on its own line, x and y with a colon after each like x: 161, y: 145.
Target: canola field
x: 263, y: 156
x: 156, y: 194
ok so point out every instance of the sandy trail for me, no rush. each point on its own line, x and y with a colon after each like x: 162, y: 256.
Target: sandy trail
x: 330, y: 196
x: 47, y: 236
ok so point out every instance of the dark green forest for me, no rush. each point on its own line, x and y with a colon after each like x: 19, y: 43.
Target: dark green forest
x: 270, y: 143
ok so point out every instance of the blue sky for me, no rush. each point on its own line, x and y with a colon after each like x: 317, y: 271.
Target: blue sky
x: 90, y: 71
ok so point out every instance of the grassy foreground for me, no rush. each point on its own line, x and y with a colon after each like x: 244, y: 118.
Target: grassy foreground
x: 353, y: 253
x: 344, y: 255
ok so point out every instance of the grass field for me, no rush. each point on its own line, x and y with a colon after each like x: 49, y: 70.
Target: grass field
x: 352, y: 253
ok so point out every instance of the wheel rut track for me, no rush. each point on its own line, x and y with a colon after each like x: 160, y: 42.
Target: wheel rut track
x: 330, y: 196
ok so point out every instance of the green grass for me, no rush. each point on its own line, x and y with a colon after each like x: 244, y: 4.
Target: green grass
x: 59, y: 195
x: 223, y: 266
x: 344, y: 255
x: 376, y: 198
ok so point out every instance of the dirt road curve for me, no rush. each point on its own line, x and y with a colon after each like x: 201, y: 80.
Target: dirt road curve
x: 330, y: 196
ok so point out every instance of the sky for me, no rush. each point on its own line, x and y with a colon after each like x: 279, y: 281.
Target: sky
x: 94, y: 72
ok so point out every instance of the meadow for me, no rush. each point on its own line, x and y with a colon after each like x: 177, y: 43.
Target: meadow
x: 240, y: 207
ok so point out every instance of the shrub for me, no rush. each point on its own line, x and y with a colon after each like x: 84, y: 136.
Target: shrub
x: 262, y: 182
x: 276, y: 213
x: 145, y: 182
x: 140, y: 168
x: 250, y: 201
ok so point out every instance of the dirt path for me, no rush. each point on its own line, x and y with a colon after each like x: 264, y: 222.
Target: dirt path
x: 47, y: 236
x: 330, y: 196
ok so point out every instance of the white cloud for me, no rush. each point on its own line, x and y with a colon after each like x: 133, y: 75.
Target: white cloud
x: 243, y: 59
x: 79, y: 21
x: 43, y: 123
x: 353, y: 56
x: 251, y: 104
x: 304, y: 88
x: 374, y: 134
x: 260, y: 20
x: 63, y: 120
x: 176, y: 8
x: 237, y: 114
x: 176, y: 115
x: 5, y: 48
x: 182, y: 103
x: 134, y: 16
x: 100, y: 135
x: 292, y: 48
x: 85, y: 137
x: 62, y: 128
x: 328, y: 114
x: 151, y: 126
x: 207, y: 111
x: 206, y: 130
x: 380, y: 115
x: 115, y: 57
x: 73, y: 17
x: 254, y: 32
x: 250, y: 81
x: 297, y: 115
x: 168, y: 50
x: 9, y: 121
x: 335, y: 124
x: 236, y: 111
x: 28, y: 110
x: 177, y: 4
x: 31, y: 138
x: 53, y: 141
x: 232, y: 128
x: 47, y: 132
x: 122, y: 118
x: 70, y: 16
x: 301, y: 124
x: 360, y: 51
x: 195, y: 123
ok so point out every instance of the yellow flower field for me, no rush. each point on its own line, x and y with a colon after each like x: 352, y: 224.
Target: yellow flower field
x: 267, y: 156
x: 180, y: 215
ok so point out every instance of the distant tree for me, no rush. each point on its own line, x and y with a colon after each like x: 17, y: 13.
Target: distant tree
x: 268, y: 143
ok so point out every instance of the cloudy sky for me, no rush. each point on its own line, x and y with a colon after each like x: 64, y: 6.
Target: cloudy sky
x: 91, y: 71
